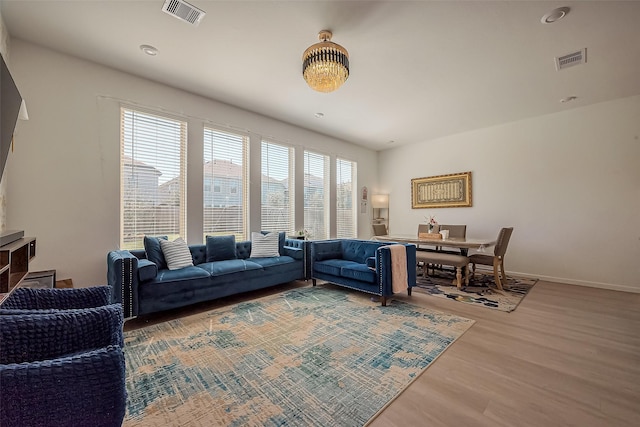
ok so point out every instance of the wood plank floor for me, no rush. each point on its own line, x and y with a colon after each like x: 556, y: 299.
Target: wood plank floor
x: 567, y: 356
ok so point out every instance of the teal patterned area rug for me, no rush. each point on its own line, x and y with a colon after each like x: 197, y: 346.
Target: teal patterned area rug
x: 311, y: 356
x: 481, y: 290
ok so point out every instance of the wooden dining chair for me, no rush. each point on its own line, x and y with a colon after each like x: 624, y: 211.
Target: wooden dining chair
x: 497, y: 259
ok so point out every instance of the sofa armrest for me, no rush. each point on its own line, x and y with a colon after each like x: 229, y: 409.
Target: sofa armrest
x: 300, y: 250
x: 384, y: 270
x: 122, y: 276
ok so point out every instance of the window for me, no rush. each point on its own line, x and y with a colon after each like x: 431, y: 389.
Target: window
x: 225, y: 167
x: 277, y: 187
x: 153, y: 177
x: 346, y: 209
x: 316, y: 195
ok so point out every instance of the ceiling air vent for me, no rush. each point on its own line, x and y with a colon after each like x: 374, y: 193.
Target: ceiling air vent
x: 183, y: 11
x: 571, y: 59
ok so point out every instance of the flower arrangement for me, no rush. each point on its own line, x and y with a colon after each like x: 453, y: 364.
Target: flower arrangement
x: 303, y: 232
x: 431, y: 221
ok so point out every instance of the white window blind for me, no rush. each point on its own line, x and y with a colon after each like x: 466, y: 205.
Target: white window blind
x: 153, y: 177
x: 277, y: 187
x: 316, y: 195
x: 346, y: 206
x: 225, y: 184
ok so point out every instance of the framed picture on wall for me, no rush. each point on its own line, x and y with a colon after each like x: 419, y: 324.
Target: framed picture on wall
x: 441, y: 191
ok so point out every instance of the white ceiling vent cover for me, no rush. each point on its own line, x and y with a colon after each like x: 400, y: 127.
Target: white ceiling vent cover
x: 571, y: 59
x: 183, y: 11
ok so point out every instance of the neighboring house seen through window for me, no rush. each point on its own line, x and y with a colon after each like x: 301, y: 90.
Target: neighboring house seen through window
x: 225, y: 169
x: 153, y: 177
x: 346, y: 202
x: 316, y: 195
x: 277, y: 187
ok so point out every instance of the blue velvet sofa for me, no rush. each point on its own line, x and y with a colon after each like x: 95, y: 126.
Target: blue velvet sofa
x: 363, y: 265
x: 144, y: 286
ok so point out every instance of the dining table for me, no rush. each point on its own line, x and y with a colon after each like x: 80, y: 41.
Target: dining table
x: 462, y: 243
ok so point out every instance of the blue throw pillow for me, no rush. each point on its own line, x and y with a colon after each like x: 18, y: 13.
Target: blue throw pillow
x: 154, y: 251
x: 281, y: 237
x: 220, y: 248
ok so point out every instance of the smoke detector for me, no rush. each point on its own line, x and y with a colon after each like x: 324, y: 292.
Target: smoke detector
x: 570, y: 59
x: 183, y: 11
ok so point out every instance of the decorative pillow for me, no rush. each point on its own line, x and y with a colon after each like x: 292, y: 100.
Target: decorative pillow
x: 281, y: 240
x: 220, y: 248
x: 264, y: 245
x: 154, y: 251
x: 176, y: 253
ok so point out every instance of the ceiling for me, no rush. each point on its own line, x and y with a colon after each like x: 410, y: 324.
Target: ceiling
x: 419, y: 70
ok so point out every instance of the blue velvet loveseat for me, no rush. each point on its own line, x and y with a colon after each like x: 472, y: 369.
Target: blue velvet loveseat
x: 146, y: 286
x: 364, y: 265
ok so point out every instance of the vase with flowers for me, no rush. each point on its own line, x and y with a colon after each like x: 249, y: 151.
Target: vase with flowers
x: 431, y: 222
x: 303, y: 234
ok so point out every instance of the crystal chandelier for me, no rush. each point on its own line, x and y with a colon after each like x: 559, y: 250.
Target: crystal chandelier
x: 325, y: 65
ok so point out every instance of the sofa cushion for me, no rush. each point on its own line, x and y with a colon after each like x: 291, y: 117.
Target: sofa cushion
x: 181, y: 274
x: 332, y: 266
x: 220, y: 268
x: 273, y: 261
x: 176, y: 253
x: 264, y: 245
x: 147, y: 270
x: 154, y: 251
x: 358, y: 272
x: 220, y: 248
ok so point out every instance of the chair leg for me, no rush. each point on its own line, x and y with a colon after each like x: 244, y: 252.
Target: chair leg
x: 409, y: 291
x: 313, y: 281
x: 496, y: 273
x: 504, y: 275
x: 466, y: 275
x: 473, y: 270
x: 458, y: 277
x: 384, y: 301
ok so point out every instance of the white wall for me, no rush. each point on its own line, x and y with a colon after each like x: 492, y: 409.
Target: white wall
x: 64, y: 173
x: 569, y: 183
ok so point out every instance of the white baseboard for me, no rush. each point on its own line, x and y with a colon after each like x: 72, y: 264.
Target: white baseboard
x: 599, y: 285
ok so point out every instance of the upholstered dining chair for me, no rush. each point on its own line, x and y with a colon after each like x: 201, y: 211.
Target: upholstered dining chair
x: 379, y: 230
x: 63, y: 367
x: 496, y: 260
x: 455, y: 231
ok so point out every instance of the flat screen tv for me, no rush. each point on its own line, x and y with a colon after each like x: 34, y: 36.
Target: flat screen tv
x: 10, y: 101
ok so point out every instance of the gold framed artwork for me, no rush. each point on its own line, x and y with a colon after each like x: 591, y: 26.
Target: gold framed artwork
x: 442, y: 191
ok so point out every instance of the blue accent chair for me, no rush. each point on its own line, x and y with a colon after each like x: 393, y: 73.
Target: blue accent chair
x: 57, y: 299
x: 63, y: 368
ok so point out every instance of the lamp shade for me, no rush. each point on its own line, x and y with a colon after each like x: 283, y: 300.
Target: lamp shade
x: 380, y: 201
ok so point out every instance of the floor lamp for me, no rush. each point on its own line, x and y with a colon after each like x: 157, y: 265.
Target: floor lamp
x: 379, y: 202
